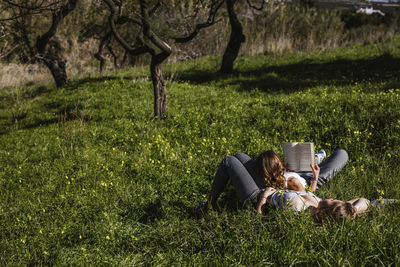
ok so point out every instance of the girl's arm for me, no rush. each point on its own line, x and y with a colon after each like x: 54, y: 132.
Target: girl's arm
x: 315, y: 171
x: 263, y: 198
x: 360, y: 204
x: 313, y: 185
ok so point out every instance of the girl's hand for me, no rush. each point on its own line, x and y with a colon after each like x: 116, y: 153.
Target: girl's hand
x: 268, y: 191
x: 315, y: 170
x: 263, y: 198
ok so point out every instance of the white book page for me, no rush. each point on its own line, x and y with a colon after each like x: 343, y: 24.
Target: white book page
x: 290, y: 155
x: 306, y: 156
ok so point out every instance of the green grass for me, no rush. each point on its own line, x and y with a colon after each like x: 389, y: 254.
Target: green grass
x: 88, y: 176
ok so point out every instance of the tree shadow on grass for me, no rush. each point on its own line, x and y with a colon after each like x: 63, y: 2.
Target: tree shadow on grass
x: 304, y: 74
x: 63, y: 111
x: 76, y: 83
x: 153, y: 211
x: 227, y: 202
x: 14, y: 107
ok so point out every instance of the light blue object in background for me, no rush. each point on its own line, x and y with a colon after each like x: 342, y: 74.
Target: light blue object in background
x: 382, y: 202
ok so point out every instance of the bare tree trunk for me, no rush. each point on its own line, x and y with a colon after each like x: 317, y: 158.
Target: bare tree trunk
x: 147, y: 42
x: 101, y: 59
x: 236, y: 39
x: 115, y: 56
x: 49, y: 49
x: 160, y: 91
x: 57, y: 69
x: 159, y: 85
x: 99, y: 54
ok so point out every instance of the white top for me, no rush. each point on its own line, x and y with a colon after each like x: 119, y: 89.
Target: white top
x: 295, y: 175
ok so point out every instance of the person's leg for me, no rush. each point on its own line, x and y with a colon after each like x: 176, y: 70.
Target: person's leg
x: 332, y: 165
x: 249, y: 165
x: 329, y: 167
x: 232, y: 168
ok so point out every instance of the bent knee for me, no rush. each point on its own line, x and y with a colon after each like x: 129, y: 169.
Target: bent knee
x: 242, y: 157
x: 229, y: 160
x: 240, y: 154
x: 342, y: 154
x: 341, y: 151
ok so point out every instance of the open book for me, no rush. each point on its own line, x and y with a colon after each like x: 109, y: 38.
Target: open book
x: 298, y: 156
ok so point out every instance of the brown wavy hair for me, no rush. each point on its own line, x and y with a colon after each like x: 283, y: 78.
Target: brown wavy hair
x: 340, y: 211
x: 269, y: 166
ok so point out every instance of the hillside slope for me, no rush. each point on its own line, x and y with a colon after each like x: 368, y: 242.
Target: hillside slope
x: 88, y: 176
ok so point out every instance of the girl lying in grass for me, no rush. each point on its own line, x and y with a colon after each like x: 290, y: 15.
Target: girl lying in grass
x: 250, y: 178
x: 320, y: 209
x: 264, y: 180
x: 303, y: 200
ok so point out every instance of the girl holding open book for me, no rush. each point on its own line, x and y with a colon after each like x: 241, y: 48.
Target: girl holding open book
x: 250, y: 178
x: 263, y: 181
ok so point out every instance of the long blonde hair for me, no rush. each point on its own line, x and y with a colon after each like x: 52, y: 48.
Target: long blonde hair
x: 269, y: 166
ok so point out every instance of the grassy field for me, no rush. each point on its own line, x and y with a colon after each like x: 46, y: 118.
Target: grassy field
x: 89, y: 177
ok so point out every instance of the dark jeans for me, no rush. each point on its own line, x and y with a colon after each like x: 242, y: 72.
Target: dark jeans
x: 248, y: 185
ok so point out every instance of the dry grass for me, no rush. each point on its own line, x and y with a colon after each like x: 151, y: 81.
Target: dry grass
x: 79, y: 62
x: 277, y: 29
x: 20, y: 74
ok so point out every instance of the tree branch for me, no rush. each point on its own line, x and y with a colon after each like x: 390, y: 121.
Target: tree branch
x: 58, y: 15
x: 103, y: 41
x: 21, y: 15
x: 9, y: 52
x: 124, y: 19
x: 254, y: 7
x: 165, y: 48
x: 210, y: 21
x: 154, y: 9
x: 111, y: 19
x: 36, y: 8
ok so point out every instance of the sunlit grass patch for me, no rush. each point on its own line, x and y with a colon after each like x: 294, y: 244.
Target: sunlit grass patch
x: 88, y: 176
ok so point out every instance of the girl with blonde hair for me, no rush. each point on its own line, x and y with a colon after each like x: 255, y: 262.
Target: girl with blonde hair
x: 251, y: 178
x: 321, y: 210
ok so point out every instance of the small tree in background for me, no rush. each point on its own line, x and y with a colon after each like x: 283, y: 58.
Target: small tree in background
x: 24, y: 21
x: 235, y: 40
x: 236, y: 36
x: 147, y: 41
x: 96, y: 27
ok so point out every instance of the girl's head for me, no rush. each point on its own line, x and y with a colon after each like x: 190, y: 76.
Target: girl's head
x: 334, y: 209
x: 269, y: 166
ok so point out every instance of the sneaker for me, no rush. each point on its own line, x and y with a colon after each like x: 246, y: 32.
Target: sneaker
x: 320, y: 156
x: 382, y: 202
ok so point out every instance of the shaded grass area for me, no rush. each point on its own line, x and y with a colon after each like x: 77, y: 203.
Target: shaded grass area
x: 88, y: 176
x: 303, y: 73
